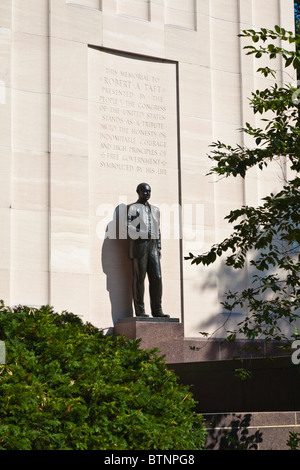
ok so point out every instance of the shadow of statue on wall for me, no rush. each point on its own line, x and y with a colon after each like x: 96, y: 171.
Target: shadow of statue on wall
x: 117, y: 266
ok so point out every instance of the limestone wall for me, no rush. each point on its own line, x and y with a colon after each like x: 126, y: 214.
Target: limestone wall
x: 63, y: 176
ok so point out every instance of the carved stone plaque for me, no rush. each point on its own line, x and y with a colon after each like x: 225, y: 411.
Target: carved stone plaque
x: 133, y: 137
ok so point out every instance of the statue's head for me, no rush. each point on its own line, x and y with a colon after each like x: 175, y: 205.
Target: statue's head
x: 144, y: 192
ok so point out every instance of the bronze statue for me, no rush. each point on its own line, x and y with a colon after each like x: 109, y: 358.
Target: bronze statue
x: 143, y: 224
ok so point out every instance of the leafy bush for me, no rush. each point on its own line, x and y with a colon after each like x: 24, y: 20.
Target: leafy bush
x: 66, y: 385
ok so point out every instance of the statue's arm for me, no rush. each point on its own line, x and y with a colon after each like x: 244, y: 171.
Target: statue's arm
x: 133, y: 222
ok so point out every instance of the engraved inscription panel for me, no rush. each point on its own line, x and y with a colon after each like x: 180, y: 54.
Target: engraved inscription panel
x: 133, y: 137
x: 135, y: 114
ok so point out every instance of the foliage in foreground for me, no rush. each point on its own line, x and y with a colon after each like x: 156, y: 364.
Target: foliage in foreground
x: 266, y: 238
x: 67, y: 386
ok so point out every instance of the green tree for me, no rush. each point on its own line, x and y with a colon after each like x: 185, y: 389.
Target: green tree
x: 270, y: 232
x: 67, y: 386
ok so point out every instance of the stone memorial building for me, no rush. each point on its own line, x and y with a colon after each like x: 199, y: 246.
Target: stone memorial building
x: 97, y: 96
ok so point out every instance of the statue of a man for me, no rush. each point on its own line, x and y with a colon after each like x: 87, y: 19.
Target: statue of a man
x: 143, y: 224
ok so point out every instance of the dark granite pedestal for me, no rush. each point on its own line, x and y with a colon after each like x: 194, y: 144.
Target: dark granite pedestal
x: 166, y: 334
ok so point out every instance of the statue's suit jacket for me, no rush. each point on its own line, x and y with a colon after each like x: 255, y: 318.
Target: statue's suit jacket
x: 139, y: 230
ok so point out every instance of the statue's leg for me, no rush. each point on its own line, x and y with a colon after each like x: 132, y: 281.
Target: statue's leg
x: 155, y: 283
x: 138, y: 288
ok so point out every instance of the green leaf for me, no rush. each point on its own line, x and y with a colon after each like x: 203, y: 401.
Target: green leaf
x: 277, y: 29
x: 269, y: 231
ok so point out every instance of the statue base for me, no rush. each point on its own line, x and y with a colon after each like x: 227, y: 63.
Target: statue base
x: 149, y: 319
x: 166, y: 334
